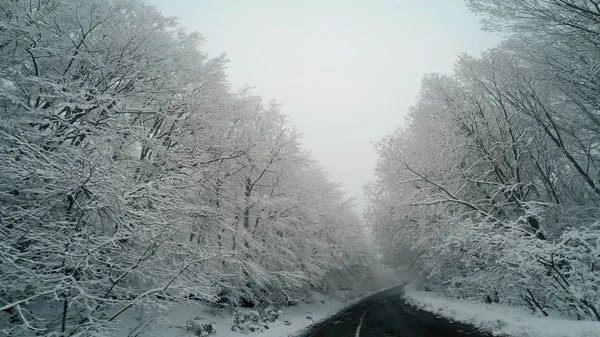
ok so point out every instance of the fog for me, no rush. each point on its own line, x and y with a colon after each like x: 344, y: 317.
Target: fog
x: 345, y: 71
x: 143, y: 195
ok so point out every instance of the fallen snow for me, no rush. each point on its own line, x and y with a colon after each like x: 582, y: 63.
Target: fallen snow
x: 173, y: 322
x: 501, y: 319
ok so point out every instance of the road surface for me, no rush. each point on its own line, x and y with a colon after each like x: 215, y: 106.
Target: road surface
x: 386, y: 314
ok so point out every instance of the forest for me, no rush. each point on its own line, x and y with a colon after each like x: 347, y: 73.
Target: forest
x: 133, y: 176
x: 491, y: 191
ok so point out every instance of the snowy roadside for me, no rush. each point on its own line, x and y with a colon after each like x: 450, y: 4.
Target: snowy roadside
x: 173, y: 322
x: 501, y: 319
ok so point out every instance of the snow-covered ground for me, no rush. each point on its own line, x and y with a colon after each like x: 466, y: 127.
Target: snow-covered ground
x: 173, y: 322
x: 501, y: 319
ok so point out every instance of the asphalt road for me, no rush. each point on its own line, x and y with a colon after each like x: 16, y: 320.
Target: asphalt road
x: 386, y: 314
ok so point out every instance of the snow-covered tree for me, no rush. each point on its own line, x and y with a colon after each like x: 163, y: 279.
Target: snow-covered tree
x: 132, y: 176
x: 494, y: 174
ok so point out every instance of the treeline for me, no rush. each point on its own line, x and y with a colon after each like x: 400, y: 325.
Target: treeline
x: 492, y: 190
x: 132, y: 176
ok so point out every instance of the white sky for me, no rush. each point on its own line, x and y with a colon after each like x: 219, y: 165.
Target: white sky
x: 346, y: 71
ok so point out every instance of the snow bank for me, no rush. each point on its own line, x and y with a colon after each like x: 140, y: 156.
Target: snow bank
x: 501, y: 319
x: 173, y: 322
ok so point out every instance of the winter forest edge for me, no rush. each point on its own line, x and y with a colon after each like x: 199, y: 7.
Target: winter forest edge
x: 132, y: 176
x: 492, y: 190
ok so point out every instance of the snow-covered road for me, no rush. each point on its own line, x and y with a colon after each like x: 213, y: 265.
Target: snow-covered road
x: 387, y: 314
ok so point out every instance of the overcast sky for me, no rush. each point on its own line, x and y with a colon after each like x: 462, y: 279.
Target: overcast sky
x: 345, y: 71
